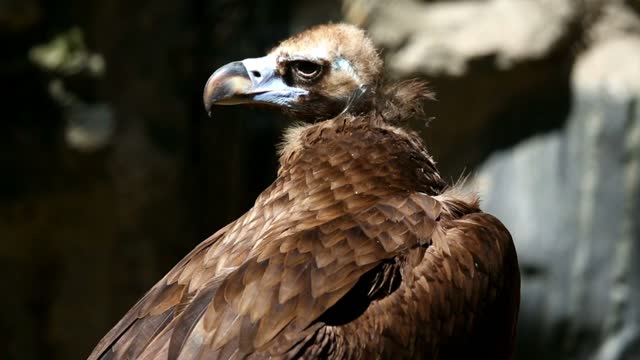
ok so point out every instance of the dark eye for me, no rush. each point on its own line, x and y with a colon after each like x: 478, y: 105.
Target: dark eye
x: 306, y: 70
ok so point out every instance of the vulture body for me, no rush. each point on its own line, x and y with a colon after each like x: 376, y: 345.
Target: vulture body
x: 358, y: 250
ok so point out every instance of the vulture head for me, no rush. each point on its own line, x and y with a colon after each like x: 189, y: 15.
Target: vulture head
x: 316, y: 75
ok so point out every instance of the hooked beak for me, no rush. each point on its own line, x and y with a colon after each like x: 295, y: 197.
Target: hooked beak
x: 250, y: 81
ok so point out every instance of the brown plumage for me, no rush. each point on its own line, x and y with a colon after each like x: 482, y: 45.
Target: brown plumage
x: 358, y: 250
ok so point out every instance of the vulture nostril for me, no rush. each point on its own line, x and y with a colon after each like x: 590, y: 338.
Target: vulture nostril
x: 256, y: 73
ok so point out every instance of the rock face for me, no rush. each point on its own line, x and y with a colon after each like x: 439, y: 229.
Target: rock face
x: 446, y: 38
x: 571, y: 199
x: 548, y: 92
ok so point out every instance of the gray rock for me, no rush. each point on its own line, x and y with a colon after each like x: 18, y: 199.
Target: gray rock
x: 446, y: 37
x: 571, y: 199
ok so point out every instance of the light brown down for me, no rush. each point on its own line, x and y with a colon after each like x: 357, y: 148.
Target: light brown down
x: 358, y: 250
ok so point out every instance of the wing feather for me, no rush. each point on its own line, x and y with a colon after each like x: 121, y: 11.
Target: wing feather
x: 277, y: 293
x: 458, y: 297
x: 154, y: 312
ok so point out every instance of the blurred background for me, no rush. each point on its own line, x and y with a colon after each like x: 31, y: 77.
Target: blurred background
x: 111, y: 171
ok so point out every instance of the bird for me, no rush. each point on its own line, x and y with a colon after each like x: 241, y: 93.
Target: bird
x: 358, y: 249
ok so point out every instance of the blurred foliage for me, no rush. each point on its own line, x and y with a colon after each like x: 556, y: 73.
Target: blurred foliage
x: 67, y: 54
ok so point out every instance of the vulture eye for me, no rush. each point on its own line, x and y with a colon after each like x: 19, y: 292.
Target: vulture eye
x: 306, y: 70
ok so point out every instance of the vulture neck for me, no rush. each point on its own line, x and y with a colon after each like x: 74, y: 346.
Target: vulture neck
x: 364, y: 149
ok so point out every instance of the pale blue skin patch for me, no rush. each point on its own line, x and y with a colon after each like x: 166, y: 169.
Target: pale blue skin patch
x: 341, y: 64
x: 281, y: 97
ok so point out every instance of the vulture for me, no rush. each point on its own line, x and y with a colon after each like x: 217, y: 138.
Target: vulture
x: 357, y: 250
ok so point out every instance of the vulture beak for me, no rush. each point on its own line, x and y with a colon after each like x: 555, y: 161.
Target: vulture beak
x: 250, y: 81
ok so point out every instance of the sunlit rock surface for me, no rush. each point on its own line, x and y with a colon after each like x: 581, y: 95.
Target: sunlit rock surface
x: 571, y: 199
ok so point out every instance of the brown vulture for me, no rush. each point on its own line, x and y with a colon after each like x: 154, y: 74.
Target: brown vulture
x: 358, y: 250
